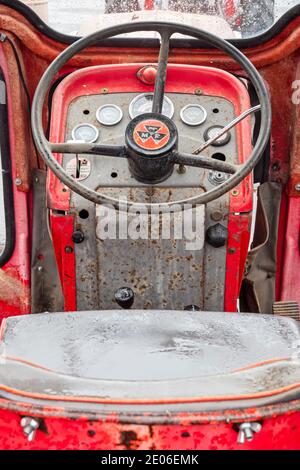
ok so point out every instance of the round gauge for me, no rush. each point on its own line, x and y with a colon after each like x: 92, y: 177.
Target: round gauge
x: 213, y: 132
x: 109, y: 115
x: 85, y: 133
x: 193, y: 114
x: 142, y: 104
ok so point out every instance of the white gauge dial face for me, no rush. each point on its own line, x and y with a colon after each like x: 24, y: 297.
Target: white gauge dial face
x: 109, y: 115
x: 193, y: 115
x: 142, y: 104
x: 85, y: 133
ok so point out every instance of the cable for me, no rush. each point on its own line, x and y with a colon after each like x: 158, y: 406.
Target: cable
x: 3, y: 38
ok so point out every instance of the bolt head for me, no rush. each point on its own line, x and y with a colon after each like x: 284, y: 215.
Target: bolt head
x: 297, y: 187
x: 216, y: 216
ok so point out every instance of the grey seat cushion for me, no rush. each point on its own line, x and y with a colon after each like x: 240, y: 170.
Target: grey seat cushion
x: 148, y: 345
x: 157, y: 362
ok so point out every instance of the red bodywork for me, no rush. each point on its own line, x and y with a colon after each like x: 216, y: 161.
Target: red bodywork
x: 277, y: 60
x: 191, y: 432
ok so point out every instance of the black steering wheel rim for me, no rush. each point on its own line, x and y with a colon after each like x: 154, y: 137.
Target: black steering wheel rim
x: 165, y: 29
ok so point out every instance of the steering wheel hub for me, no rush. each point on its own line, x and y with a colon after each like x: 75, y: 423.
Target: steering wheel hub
x: 151, y: 140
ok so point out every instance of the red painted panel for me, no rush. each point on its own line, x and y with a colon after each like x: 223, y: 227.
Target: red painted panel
x: 62, y: 230
x: 291, y: 263
x: 278, y: 433
x: 15, y: 275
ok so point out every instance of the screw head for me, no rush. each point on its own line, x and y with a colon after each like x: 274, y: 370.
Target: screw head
x: 181, y: 169
x: 216, y: 216
x: 297, y: 187
x: 18, y: 181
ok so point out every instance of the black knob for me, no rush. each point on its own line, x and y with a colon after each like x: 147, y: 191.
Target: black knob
x: 78, y: 236
x: 192, y: 308
x: 217, y: 235
x: 124, y: 297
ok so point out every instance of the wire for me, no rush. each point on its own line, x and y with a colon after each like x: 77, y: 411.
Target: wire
x: 3, y: 38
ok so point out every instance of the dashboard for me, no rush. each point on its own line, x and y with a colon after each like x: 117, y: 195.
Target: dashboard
x: 96, y: 104
x: 104, y: 118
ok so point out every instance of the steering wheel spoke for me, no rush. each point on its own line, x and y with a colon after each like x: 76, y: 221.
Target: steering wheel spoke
x: 204, y: 162
x: 160, y: 82
x: 89, y: 149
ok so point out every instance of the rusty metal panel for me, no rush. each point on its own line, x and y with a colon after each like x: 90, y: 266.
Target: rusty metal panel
x: 162, y: 273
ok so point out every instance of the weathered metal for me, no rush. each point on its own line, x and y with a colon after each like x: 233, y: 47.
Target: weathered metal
x: 277, y: 60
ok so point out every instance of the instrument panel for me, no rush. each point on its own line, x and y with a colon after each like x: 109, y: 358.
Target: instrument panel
x: 104, y: 118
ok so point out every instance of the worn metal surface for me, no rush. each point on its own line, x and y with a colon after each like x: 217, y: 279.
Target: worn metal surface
x: 162, y: 273
x: 46, y: 291
x: 15, y: 275
x: 88, y: 432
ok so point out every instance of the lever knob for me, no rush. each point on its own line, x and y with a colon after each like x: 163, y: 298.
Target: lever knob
x: 124, y: 297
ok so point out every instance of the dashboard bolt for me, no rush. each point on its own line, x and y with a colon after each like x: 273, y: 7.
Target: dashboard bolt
x: 216, y: 177
x: 18, y: 181
x: 181, y: 169
x: 216, y: 216
x: 104, y: 90
x: 297, y: 187
x: 276, y: 166
x: 198, y: 91
x: 235, y: 192
x: 78, y: 236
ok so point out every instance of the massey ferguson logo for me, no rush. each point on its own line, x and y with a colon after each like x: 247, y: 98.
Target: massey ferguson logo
x: 151, y: 134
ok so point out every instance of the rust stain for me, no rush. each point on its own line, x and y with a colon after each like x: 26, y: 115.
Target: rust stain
x: 12, y: 289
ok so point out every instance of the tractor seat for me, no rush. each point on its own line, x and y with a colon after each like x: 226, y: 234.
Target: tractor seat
x: 150, y: 355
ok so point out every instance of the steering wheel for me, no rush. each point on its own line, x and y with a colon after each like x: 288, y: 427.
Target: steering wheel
x: 150, y: 163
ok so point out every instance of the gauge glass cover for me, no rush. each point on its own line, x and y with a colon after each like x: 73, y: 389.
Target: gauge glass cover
x: 85, y: 133
x: 213, y: 132
x: 142, y: 104
x: 109, y: 115
x: 193, y: 114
